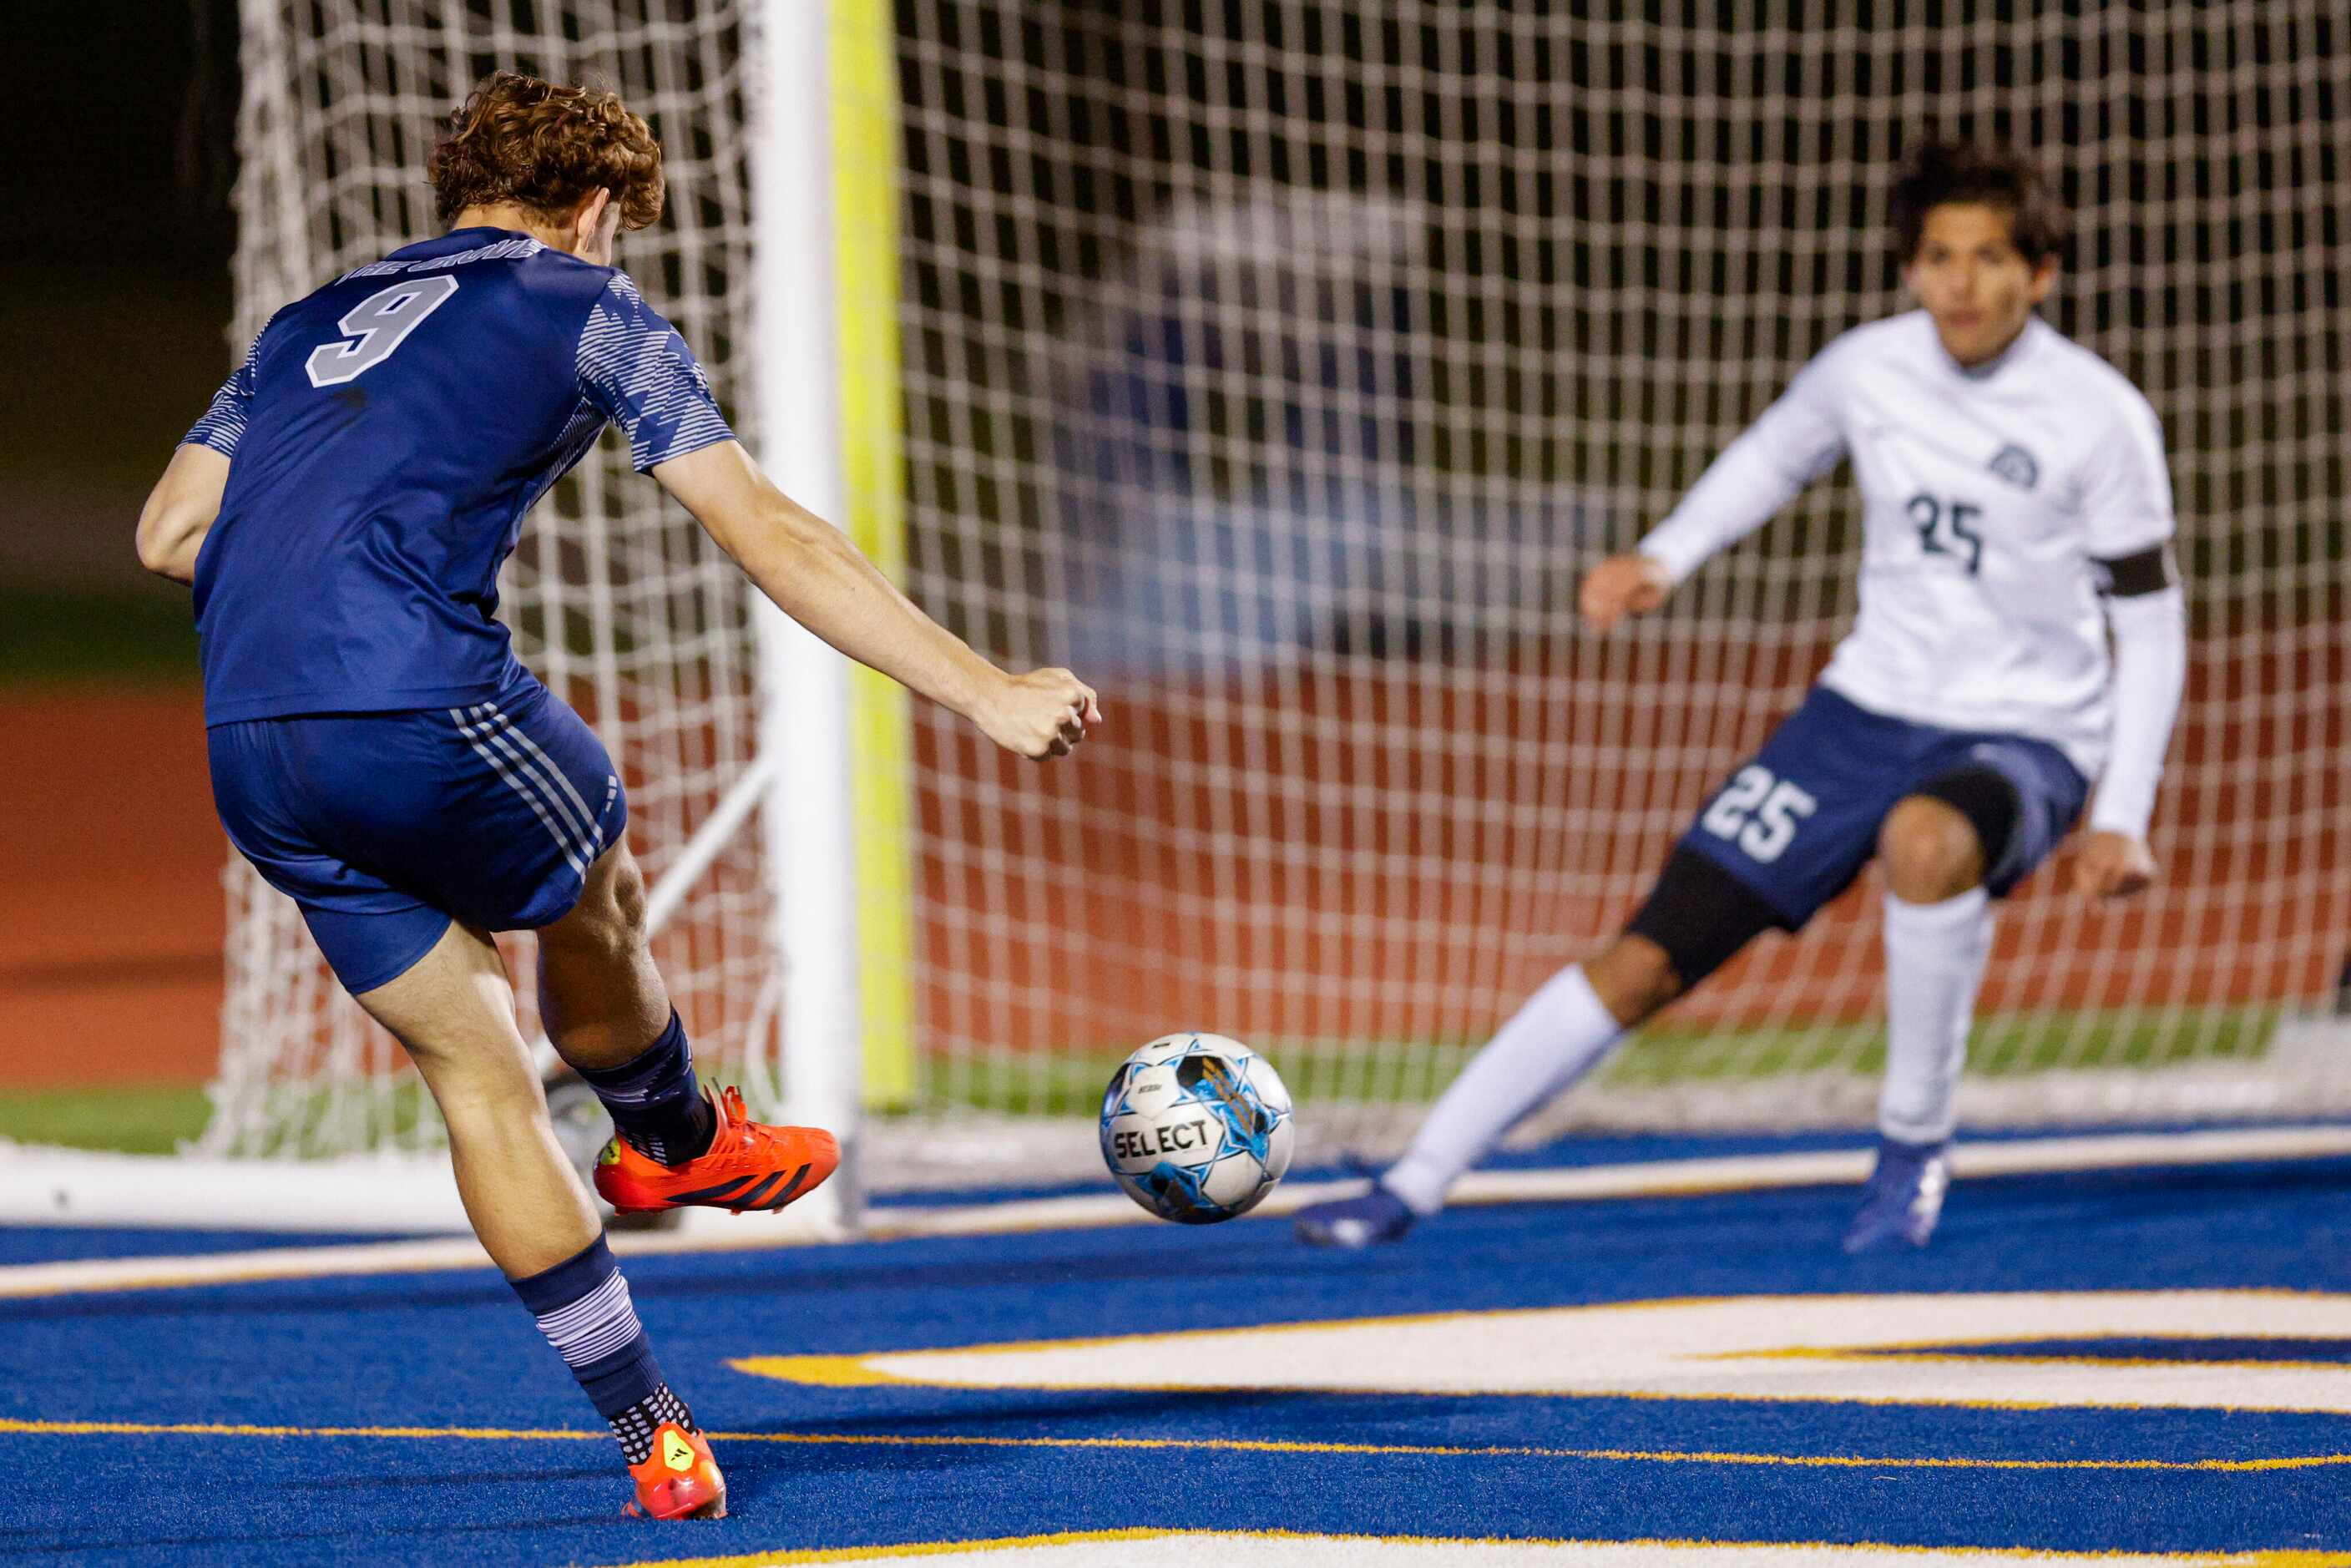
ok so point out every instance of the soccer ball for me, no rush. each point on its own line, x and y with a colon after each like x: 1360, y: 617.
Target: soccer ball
x: 1197, y: 1127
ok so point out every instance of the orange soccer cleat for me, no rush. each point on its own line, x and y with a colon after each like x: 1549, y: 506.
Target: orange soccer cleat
x: 679, y: 1480
x: 748, y: 1165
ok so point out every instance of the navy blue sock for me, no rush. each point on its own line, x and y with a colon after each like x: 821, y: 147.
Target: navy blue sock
x: 583, y: 1308
x: 654, y: 1102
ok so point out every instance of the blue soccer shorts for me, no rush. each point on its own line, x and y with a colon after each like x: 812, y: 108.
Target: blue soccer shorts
x: 1798, y: 823
x: 384, y: 827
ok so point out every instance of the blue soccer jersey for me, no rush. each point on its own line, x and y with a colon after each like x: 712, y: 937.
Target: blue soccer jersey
x: 387, y: 435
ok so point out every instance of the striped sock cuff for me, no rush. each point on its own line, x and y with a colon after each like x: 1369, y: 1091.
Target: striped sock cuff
x: 582, y: 1306
x: 595, y: 1325
x: 553, y: 1289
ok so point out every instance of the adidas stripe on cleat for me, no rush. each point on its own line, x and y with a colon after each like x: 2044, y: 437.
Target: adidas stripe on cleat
x: 749, y: 1166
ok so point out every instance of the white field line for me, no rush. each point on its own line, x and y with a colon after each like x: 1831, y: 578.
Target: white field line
x: 1152, y: 1548
x: 715, y: 1232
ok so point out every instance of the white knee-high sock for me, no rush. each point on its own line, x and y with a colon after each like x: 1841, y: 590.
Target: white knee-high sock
x: 1547, y: 1045
x: 1935, y: 956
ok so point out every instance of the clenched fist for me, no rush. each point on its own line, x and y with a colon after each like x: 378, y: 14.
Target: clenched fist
x: 1623, y: 585
x: 2113, y: 865
x: 1042, y: 714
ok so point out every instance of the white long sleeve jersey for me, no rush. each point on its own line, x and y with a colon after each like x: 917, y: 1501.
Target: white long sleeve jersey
x: 1989, y: 495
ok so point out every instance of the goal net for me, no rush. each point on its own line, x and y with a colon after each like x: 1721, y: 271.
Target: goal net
x: 1280, y: 365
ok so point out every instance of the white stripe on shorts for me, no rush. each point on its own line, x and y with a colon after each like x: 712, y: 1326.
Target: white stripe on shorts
x: 547, y: 820
x: 595, y: 829
x: 499, y: 732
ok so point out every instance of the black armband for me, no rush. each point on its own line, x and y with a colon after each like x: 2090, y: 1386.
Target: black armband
x: 2150, y: 570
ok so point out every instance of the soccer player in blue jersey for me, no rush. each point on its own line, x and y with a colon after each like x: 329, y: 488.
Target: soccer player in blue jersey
x: 378, y: 754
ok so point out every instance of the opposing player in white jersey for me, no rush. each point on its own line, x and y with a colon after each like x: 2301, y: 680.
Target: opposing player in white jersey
x: 2017, y: 513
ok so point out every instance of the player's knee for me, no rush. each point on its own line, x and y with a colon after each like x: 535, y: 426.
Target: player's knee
x: 628, y: 898
x: 1634, y: 978
x: 1930, y: 849
x: 611, y: 914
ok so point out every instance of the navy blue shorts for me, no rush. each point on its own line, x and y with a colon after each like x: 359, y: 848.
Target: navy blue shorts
x: 386, y: 826
x: 1799, y: 821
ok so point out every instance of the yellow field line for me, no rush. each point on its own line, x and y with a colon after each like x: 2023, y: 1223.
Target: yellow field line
x: 1214, y: 1445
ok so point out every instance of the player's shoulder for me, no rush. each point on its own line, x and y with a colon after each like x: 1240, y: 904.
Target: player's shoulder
x: 2087, y: 382
x: 563, y: 279
x: 1872, y: 342
x: 620, y: 324
x: 619, y: 297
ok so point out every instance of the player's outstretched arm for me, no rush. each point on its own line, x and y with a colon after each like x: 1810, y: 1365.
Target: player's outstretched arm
x: 2147, y: 611
x: 180, y: 511
x: 2126, y: 500
x: 818, y: 577
x: 1796, y: 441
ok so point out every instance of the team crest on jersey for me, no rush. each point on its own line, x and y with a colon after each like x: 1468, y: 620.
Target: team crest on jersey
x: 2016, y: 465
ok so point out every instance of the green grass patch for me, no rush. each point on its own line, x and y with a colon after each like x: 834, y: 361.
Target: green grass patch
x: 152, y: 1119
x: 157, y: 1119
x: 2008, y: 1047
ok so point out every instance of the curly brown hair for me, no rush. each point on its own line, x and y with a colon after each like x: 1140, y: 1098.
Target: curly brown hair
x: 545, y: 148
x: 1945, y: 170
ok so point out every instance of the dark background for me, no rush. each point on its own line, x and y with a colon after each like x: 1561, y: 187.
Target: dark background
x: 114, y: 304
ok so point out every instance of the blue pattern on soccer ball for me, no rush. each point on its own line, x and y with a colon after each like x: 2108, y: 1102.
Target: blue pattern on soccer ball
x: 1196, y: 1080
x: 1177, y: 1194
x: 1114, y: 1094
x: 1210, y: 1081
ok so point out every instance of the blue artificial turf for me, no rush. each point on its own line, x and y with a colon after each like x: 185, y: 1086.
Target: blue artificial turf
x: 64, y: 1243
x: 454, y: 1350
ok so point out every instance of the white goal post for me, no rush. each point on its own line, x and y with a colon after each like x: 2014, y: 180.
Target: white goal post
x: 1280, y: 365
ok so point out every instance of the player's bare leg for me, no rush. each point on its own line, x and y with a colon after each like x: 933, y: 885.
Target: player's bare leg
x: 455, y: 1012
x: 609, y: 1015
x: 453, y: 1009
x: 1938, y: 938
x: 1562, y: 1032
x: 601, y: 997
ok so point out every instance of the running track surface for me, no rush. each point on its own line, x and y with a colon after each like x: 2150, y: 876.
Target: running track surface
x: 122, y: 958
